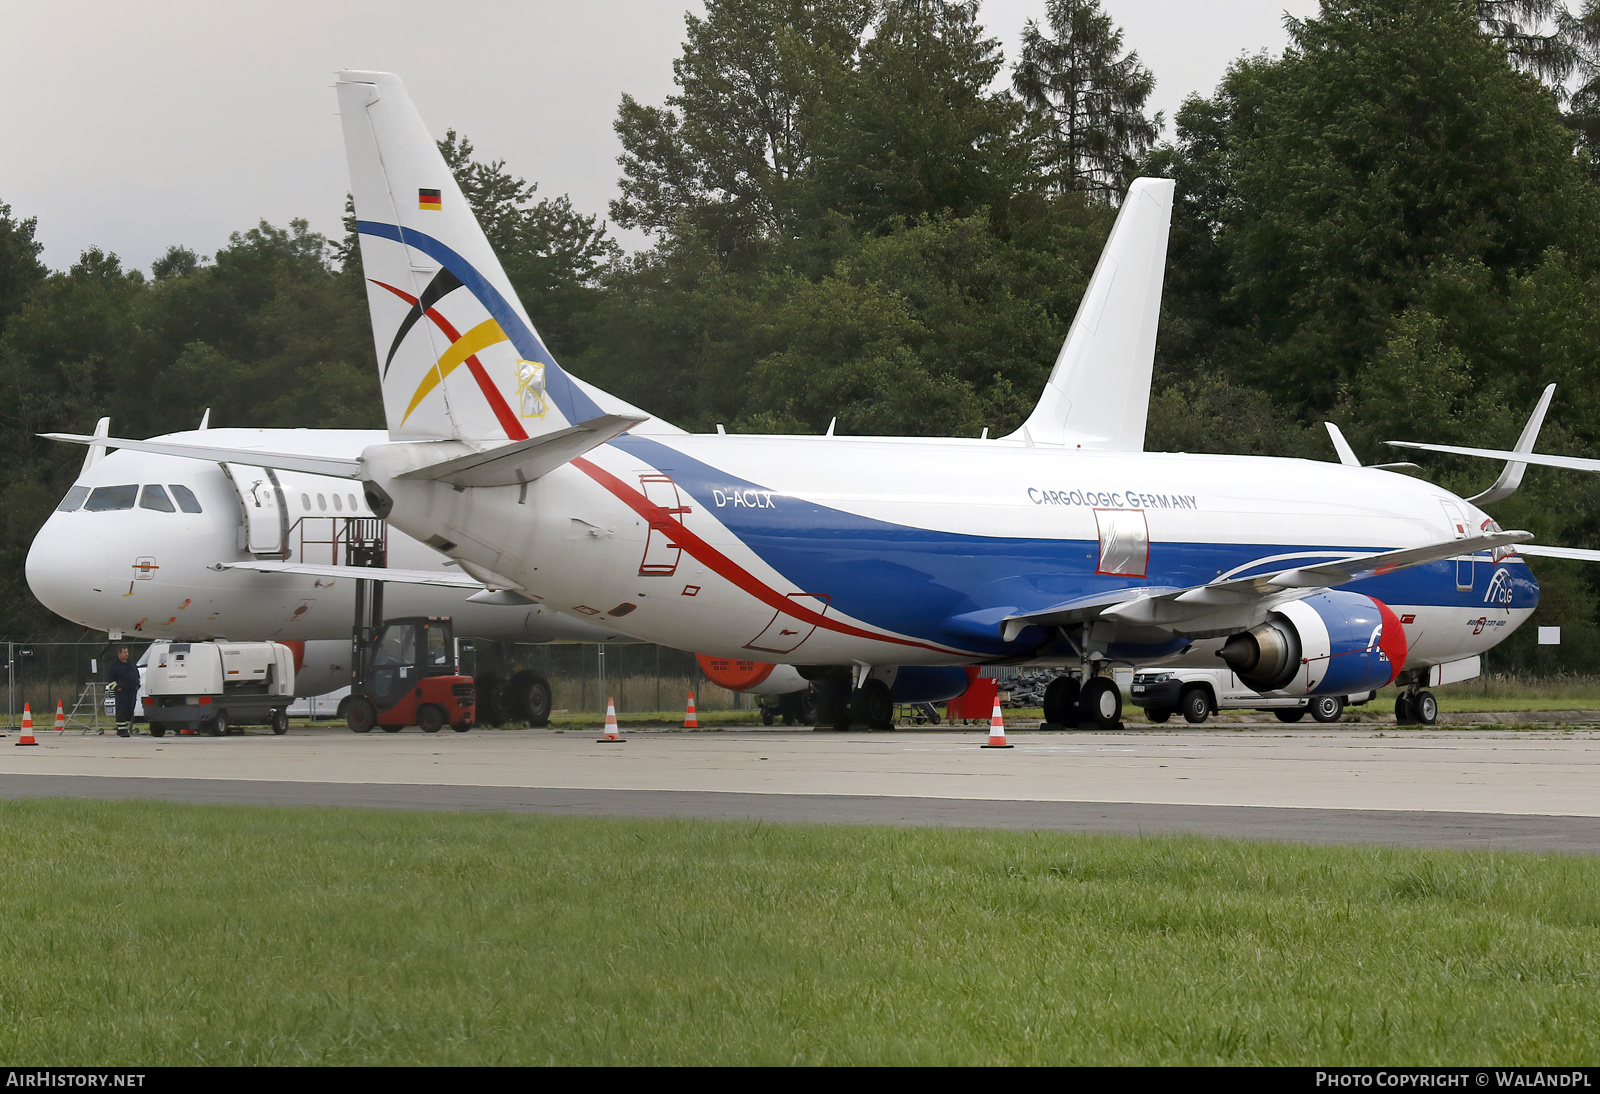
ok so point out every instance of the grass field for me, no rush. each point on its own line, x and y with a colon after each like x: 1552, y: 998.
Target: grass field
x: 145, y: 933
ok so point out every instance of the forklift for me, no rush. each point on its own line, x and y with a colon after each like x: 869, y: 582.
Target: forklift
x: 404, y: 671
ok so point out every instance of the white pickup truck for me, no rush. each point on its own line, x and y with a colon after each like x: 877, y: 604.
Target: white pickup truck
x: 1199, y: 693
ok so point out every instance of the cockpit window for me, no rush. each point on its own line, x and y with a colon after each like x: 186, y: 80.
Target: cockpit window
x: 103, y: 499
x: 156, y: 498
x: 73, y: 499
x: 186, y: 499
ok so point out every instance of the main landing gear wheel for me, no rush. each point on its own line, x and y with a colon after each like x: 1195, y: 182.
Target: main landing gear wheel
x: 1061, y: 701
x: 1289, y: 715
x: 1327, y: 708
x: 1404, y: 712
x: 873, y: 706
x: 1100, y: 703
x: 430, y: 719
x: 360, y: 715
x: 1196, y: 706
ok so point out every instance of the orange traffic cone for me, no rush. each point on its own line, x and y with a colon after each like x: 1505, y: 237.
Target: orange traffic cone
x: 690, y: 721
x: 997, y: 729
x: 612, y: 737
x: 61, y: 718
x: 27, y: 727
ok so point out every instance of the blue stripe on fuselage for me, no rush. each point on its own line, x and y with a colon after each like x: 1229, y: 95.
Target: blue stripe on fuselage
x: 918, y: 581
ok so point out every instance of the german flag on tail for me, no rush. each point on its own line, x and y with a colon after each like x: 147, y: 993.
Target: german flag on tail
x: 428, y: 199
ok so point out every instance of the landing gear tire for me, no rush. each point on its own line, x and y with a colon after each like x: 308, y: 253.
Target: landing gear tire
x: 1404, y: 712
x: 1196, y: 706
x: 528, y: 696
x: 767, y: 717
x: 1290, y: 716
x: 1157, y: 714
x: 1426, y: 708
x: 280, y: 722
x: 873, y: 706
x: 808, y: 706
x: 489, y: 689
x: 430, y: 719
x: 1061, y: 699
x: 218, y: 726
x: 1100, y: 703
x: 1327, y: 708
x: 360, y: 715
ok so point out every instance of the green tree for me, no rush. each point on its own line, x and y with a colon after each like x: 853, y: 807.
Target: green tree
x: 20, y: 268
x: 1087, y: 97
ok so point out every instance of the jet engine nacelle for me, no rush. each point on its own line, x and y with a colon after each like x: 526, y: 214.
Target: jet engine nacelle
x: 753, y: 677
x: 1333, y: 643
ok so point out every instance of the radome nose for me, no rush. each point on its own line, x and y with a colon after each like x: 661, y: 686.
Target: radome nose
x: 67, y: 567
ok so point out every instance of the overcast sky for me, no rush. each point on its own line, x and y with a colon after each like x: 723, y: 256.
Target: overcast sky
x: 133, y: 126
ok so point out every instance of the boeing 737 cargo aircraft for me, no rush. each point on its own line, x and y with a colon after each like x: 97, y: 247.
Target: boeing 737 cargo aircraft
x: 880, y: 567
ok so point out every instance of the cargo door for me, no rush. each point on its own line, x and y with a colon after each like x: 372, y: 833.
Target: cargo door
x: 661, y: 550
x: 265, y: 531
x: 1458, y: 528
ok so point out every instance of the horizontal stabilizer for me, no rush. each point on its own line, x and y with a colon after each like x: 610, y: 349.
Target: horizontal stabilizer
x: 282, y: 461
x: 524, y: 461
x: 359, y: 573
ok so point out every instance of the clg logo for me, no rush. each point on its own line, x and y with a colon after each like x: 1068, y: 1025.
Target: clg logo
x: 1500, y: 588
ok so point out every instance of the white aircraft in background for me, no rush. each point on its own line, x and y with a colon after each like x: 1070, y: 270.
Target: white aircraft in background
x: 136, y: 549
x: 882, y: 567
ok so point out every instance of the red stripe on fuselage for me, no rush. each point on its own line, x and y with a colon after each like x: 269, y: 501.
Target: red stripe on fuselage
x: 703, y: 552
x: 502, y: 412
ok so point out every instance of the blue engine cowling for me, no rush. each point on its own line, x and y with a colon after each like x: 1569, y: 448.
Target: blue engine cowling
x: 928, y: 683
x: 1333, y: 643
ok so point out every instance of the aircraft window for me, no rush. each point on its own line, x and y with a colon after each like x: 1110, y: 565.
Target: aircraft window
x: 337, y: 504
x: 104, y: 499
x: 322, y: 502
x: 305, y: 502
x: 186, y: 499
x: 156, y: 498
x: 353, y: 505
x: 73, y: 499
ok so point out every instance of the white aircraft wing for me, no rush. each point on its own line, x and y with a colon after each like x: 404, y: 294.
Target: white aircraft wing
x: 1241, y: 602
x: 283, y: 461
x: 1571, y: 463
x: 1578, y: 554
x: 372, y: 573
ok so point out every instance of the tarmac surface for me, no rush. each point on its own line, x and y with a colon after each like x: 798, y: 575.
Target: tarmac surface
x: 1536, y: 790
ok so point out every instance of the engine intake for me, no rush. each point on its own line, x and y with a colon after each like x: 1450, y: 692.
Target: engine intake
x: 1333, y: 643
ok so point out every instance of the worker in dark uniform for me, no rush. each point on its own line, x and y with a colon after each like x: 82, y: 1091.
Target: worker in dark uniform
x: 124, y: 685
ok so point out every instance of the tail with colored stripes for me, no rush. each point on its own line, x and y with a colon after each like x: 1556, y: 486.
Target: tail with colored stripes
x: 457, y: 353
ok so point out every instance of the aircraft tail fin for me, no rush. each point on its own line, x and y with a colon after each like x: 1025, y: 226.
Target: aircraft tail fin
x: 1098, y: 395
x: 457, y: 354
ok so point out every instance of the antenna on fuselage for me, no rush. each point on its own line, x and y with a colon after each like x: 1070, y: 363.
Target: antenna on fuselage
x: 205, y: 419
